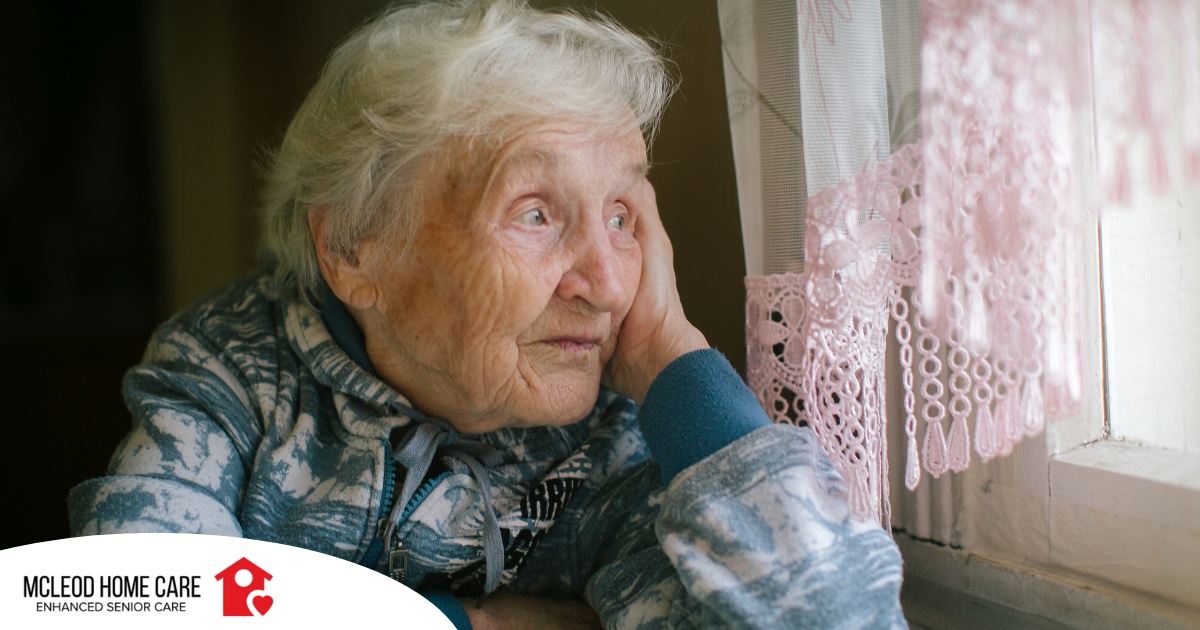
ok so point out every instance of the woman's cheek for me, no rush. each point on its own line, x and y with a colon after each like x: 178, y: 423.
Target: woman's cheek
x: 631, y: 274
x: 517, y: 291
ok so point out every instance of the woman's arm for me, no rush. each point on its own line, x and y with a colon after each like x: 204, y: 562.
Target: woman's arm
x: 183, y: 466
x: 753, y: 528
x: 754, y: 534
x: 758, y: 535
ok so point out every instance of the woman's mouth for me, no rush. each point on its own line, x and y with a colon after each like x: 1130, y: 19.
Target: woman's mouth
x: 574, y: 344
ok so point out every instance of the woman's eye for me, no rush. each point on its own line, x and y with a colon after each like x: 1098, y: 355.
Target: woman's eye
x: 617, y: 222
x: 535, y: 217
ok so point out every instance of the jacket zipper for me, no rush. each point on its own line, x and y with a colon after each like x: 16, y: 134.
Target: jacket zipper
x: 398, y: 557
x: 385, y: 506
x: 421, y: 494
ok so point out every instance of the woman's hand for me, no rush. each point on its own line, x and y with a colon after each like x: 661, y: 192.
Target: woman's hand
x: 655, y: 332
x: 508, y: 611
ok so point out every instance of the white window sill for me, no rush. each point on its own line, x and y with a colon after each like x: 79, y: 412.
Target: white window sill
x: 1115, y: 544
x: 1128, y: 515
x: 949, y: 589
x: 1133, y: 480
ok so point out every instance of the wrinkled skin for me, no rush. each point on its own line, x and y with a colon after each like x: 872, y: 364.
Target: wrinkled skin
x: 523, y: 284
x: 542, y: 270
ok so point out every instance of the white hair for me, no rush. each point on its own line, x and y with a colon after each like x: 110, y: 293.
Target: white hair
x: 406, y: 83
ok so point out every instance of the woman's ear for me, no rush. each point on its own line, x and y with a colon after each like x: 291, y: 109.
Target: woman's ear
x: 346, y: 273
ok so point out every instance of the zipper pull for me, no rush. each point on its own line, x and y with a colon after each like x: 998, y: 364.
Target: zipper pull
x: 397, y: 558
x: 398, y: 562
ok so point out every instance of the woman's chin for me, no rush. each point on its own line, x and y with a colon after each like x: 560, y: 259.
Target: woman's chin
x: 558, y: 403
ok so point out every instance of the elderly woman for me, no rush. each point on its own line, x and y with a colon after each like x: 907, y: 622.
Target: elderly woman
x: 466, y: 364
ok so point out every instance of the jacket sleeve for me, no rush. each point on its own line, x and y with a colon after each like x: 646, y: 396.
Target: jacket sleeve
x: 183, y: 466
x: 754, y: 534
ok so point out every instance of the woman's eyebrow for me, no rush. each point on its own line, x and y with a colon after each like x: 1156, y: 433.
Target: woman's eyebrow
x: 637, y: 172
x: 531, y: 159
x: 526, y: 159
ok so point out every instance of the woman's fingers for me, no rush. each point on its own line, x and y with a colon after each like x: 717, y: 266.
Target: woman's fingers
x: 649, y: 230
x: 656, y: 331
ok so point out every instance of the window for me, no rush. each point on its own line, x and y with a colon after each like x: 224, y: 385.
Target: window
x: 1096, y: 524
x: 1091, y: 522
x: 1151, y: 261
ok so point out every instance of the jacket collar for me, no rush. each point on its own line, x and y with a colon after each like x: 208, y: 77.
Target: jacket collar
x: 330, y: 343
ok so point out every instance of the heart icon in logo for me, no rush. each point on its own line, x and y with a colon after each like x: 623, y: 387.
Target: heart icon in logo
x: 262, y: 603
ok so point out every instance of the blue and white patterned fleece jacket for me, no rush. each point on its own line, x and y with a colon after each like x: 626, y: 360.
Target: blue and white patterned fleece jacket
x: 249, y: 419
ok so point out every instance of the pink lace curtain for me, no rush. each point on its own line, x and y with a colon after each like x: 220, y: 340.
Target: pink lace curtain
x: 925, y: 170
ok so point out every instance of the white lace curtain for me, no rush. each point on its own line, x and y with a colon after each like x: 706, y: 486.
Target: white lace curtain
x: 924, y: 169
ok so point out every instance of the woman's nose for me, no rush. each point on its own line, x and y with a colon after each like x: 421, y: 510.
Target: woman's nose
x: 596, y: 271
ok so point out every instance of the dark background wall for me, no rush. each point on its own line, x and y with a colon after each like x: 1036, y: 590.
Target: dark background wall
x: 130, y: 138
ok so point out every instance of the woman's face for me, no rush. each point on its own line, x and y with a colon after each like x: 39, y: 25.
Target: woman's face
x: 507, y: 306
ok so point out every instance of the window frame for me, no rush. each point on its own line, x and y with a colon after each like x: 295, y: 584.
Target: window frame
x: 1076, y: 526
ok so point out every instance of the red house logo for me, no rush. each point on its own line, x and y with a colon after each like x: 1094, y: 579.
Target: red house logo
x: 243, y: 586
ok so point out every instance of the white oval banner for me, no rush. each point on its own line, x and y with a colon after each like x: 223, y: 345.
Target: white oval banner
x: 160, y: 581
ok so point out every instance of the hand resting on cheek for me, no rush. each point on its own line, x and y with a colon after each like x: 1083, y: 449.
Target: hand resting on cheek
x: 655, y: 331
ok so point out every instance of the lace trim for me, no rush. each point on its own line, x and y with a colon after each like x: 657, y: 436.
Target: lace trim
x: 993, y: 338
x: 969, y: 241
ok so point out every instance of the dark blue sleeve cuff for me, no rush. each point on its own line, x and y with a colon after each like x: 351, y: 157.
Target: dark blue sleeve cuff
x: 450, y: 606
x: 696, y: 406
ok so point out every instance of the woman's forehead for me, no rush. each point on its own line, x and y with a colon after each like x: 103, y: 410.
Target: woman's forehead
x: 554, y: 150
x: 479, y: 165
